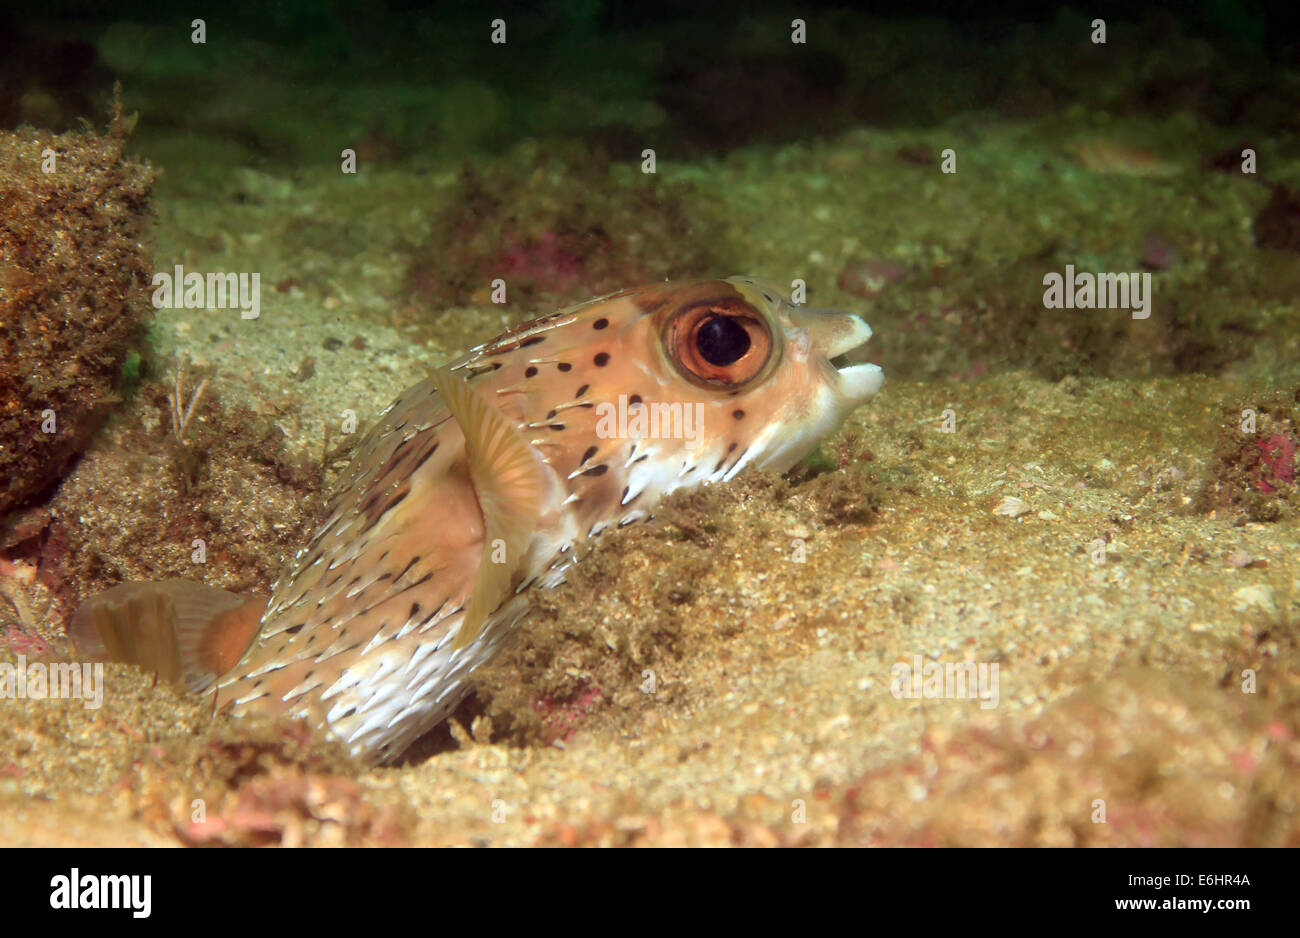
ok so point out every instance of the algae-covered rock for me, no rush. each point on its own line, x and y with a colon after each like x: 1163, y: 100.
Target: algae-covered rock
x: 73, y: 294
x: 559, y: 223
x: 1252, y: 476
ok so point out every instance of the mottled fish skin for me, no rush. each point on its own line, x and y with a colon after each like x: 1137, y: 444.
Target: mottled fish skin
x: 358, y: 636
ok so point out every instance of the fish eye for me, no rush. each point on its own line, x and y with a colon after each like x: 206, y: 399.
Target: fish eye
x: 723, y: 343
x: 721, y: 340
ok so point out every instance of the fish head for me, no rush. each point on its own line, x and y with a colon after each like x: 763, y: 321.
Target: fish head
x: 806, y: 388
x: 645, y: 391
x: 766, y: 375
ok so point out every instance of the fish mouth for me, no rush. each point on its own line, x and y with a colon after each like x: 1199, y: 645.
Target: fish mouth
x: 841, y: 337
x: 836, y: 335
x: 859, y: 382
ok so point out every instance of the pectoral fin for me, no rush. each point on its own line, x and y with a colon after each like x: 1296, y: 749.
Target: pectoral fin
x: 185, y: 632
x: 510, y: 482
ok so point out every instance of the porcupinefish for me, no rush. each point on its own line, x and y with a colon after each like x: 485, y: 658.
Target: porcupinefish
x: 486, y: 481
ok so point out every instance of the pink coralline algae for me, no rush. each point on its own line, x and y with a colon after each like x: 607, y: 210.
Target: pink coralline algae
x: 1158, y: 253
x: 1277, y: 459
x: 552, y: 263
x: 557, y: 223
x: 562, y: 717
x: 870, y: 278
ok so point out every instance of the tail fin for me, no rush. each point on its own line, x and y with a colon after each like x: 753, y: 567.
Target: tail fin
x: 185, y: 632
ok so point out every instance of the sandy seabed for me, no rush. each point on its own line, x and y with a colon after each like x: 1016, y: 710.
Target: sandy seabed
x: 728, y: 675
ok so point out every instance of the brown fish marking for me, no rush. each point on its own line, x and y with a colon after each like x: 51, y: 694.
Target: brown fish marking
x: 493, y: 476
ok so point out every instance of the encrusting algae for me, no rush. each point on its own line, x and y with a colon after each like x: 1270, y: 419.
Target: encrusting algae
x: 487, y: 480
x: 73, y: 294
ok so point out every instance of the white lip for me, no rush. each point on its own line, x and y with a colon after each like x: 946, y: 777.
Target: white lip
x: 856, y: 335
x: 859, y: 382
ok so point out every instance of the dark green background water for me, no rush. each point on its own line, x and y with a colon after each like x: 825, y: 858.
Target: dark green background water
x: 289, y: 80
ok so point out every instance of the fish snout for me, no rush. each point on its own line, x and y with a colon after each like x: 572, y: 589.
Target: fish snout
x: 839, y: 337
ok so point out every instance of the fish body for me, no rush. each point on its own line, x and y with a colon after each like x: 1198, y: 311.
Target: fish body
x: 493, y: 477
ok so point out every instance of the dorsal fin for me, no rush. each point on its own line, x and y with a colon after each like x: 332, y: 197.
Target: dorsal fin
x: 187, y: 633
x: 510, y: 482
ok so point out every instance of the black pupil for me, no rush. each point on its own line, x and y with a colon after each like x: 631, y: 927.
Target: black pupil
x: 721, y: 340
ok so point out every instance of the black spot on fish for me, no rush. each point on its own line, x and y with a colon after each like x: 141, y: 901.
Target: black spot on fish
x: 425, y: 458
x: 374, y: 512
x: 564, y: 366
x: 591, y: 451
x: 556, y: 426
x: 601, y: 359
x: 731, y: 448
x: 600, y: 323
x: 551, y: 414
x: 738, y: 414
x: 597, y: 470
x: 582, y: 390
x: 532, y: 340
x: 530, y: 371
x: 634, y: 400
x: 294, y: 629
